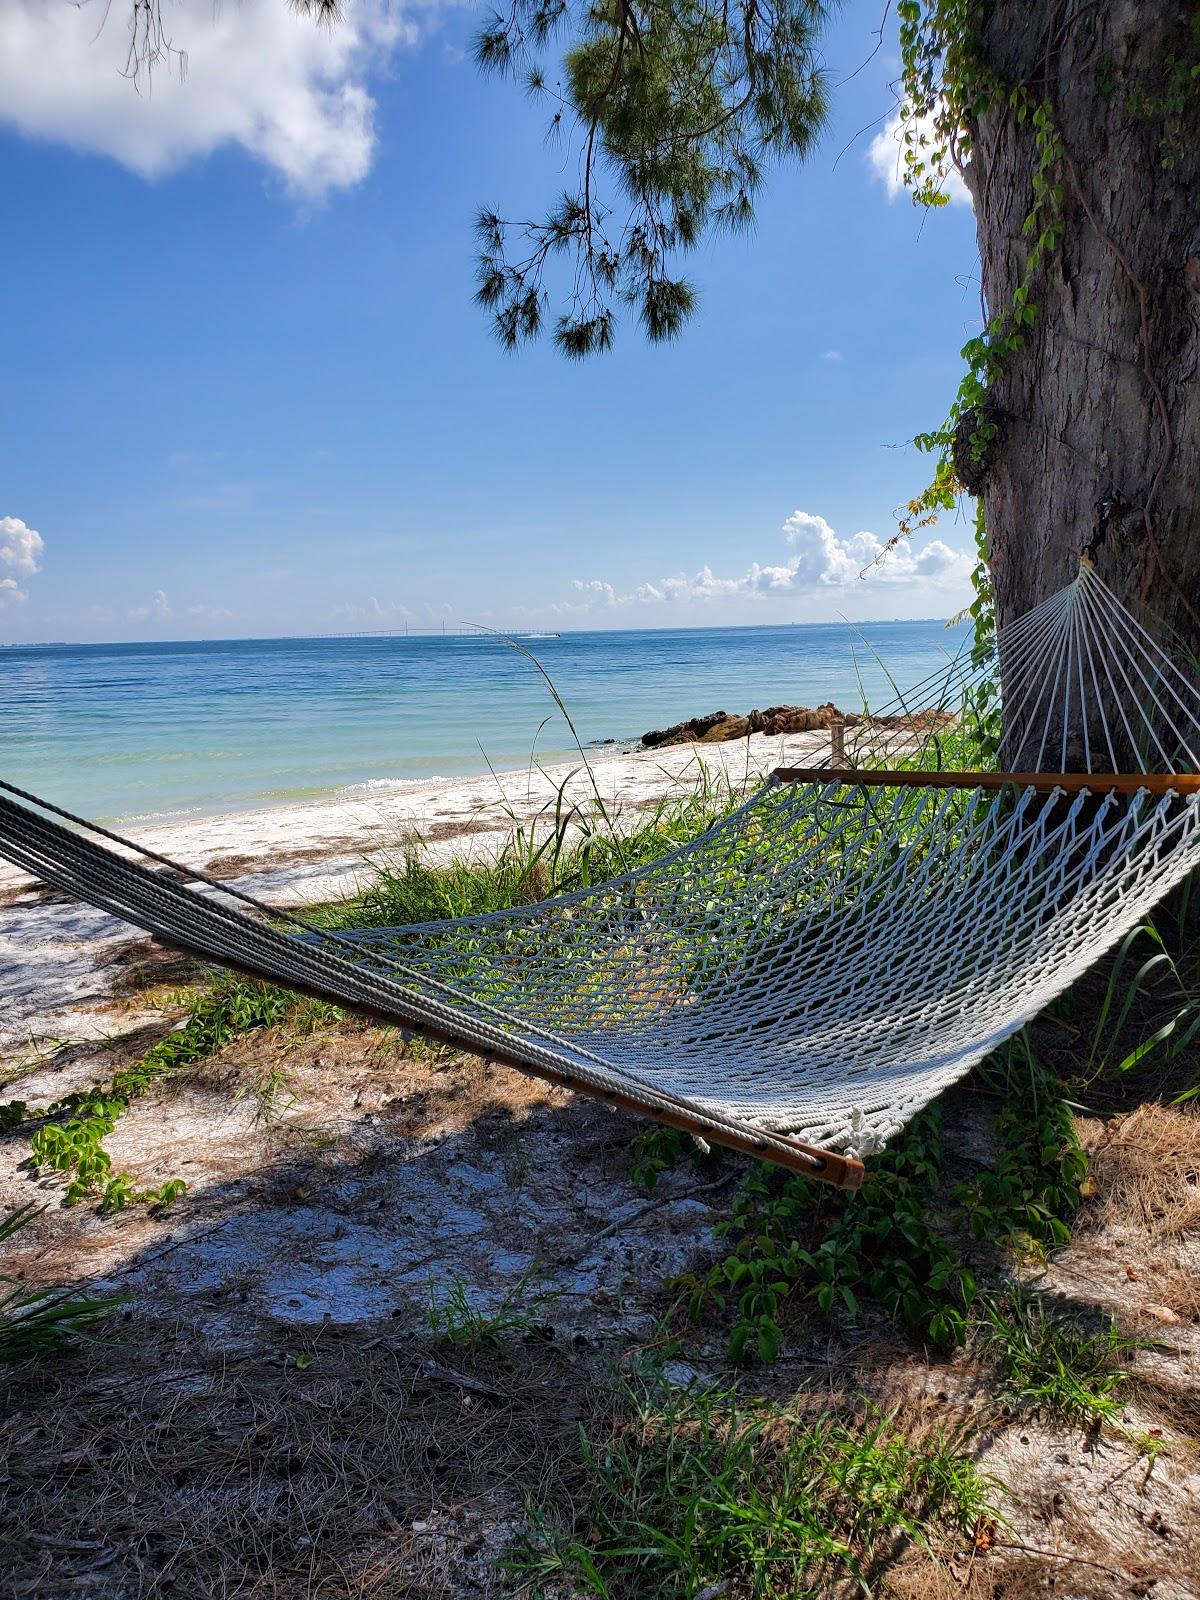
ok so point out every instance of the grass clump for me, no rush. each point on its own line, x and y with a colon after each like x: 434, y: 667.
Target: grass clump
x: 1149, y: 1013
x: 455, y: 1320
x: 1050, y: 1364
x: 687, y: 1490
x: 40, y: 1322
x: 568, y: 848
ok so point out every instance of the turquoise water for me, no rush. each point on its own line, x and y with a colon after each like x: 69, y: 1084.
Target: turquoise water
x: 134, y: 732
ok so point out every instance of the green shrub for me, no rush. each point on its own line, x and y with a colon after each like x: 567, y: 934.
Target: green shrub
x: 687, y: 1490
x: 792, y: 1238
x: 1050, y: 1364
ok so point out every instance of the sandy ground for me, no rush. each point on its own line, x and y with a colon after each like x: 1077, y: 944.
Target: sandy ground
x: 275, y: 1413
x: 56, y: 956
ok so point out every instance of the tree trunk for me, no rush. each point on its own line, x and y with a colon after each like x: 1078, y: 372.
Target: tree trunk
x: 1099, y: 414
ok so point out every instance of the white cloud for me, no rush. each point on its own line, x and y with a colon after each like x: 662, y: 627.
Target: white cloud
x: 159, y: 609
x: 885, y: 157
x: 832, y: 355
x: 20, y: 545
x: 289, y: 93
x: 823, y: 558
x: 596, y: 591
x: 819, y: 560
x: 372, y: 609
x: 21, y: 549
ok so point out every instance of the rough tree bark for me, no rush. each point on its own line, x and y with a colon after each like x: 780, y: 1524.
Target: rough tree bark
x: 1099, y: 415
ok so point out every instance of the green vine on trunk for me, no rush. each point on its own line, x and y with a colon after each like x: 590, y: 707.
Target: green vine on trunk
x: 947, y: 88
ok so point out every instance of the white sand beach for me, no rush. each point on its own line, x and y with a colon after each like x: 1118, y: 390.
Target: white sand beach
x: 57, y: 956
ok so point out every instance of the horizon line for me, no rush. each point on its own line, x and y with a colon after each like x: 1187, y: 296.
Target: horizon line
x: 467, y: 631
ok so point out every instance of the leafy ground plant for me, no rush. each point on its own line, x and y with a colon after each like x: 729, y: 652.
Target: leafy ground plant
x: 39, y: 1322
x: 1050, y: 1364
x: 688, y: 1489
x: 1027, y: 1198
x: 71, y: 1132
x: 903, y: 1240
x: 790, y: 1240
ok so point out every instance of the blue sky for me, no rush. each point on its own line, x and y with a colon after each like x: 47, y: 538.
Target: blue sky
x: 248, y: 392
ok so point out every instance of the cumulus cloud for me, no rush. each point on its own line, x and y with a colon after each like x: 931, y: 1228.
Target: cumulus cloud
x: 832, y: 355
x: 597, y: 591
x: 20, y: 545
x: 159, y: 609
x: 290, y: 94
x: 372, y: 609
x: 885, y: 157
x: 21, y: 549
x: 819, y: 559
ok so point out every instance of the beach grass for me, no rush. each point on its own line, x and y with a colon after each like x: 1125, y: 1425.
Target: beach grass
x: 704, y: 1491
x: 1050, y: 1364
x: 569, y: 847
x: 39, y: 1322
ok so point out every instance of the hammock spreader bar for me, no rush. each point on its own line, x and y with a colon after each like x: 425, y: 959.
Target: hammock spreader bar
x: 180, y: 918
x: 824, y: 1166
x: 1097, y: 783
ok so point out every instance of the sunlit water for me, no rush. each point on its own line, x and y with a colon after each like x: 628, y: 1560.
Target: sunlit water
x: 142, y: 731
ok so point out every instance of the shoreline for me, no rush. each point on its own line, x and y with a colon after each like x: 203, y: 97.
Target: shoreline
x: 363, y: 790
x: 60, y: 958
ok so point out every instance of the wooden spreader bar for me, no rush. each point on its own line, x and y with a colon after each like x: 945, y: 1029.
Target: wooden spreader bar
x: 824, y: 1166
x: 1070, y: 782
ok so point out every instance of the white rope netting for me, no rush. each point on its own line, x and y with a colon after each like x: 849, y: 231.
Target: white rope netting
x: 824, y: 961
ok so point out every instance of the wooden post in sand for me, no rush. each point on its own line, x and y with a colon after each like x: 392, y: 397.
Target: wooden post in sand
x: 837, y: 741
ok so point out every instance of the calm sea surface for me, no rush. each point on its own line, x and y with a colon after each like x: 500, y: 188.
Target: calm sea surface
x: 147, y: 731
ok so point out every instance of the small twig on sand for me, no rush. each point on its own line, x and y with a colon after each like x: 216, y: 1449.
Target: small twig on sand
x: 644, y: 1211
x: 1057, y: 1555
x: 439, y: 1374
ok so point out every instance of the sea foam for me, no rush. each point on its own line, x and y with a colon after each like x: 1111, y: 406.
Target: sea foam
x: 375, y: 785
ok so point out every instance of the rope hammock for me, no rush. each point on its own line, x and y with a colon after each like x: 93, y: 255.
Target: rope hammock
x: 798, y: 981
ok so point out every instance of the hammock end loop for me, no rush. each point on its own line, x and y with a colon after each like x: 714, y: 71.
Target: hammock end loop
x: 842, y: 1169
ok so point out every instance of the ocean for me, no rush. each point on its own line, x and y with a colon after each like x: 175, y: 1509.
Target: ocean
x: 151, y: 731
